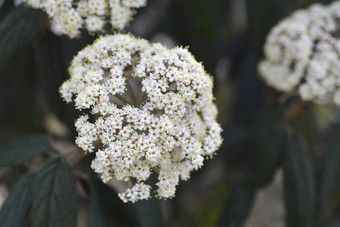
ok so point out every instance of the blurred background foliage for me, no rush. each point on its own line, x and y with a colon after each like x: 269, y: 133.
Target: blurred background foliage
x: 271, y: 141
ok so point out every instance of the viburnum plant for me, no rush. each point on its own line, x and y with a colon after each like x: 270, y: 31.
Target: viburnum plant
x: 153, y: 110
x: 302, y: 60
x: 108, y: 119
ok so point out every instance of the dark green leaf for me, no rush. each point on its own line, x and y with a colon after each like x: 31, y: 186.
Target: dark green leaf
x: 249, y: 88
x: 149, y: 213
x: 232, y: 136
x: 238, y: 206
x: 5, y: 8
x: 16, y: 206
x: 23, y: 148
x: 19, y: 27
x: 299, y: 183
x: 212, y: 209
x: 20, y: 89
x: 195, y: 23
x: 55, y: 199
x: 207, y: 15
x: 262, y: 16
x: 106, y: 207
x: 49, y: 64
x: 330, y: 180
x: 327, y: 1
x: 336, y: 222
x: 267, y: 144
x: 48, y: 53
x: 98, y: 212
x: 304, y: 3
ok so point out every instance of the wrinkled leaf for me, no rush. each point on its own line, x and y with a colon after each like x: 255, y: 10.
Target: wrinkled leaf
x: 19, y: 27
x: 299, y: 183
x: 16, y: 206
x: 22, y: 148
x: 212, y: 209
x: 55, y: 199
x: 269, y: 137
x: 238, y: 206
x: 330, y: 179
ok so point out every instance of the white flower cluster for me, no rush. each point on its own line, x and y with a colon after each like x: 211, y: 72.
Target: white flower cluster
x: 153, y: 109
x: 303, y: 54
x: 69, y: 16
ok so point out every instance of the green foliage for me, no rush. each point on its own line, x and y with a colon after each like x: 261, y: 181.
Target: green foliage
x: 335, y: 223
x: 205, y: 15
x: 16, y: 206
x: 299, y: 183
x: 238, y: 206
x: 267, y: 145
x: 19, y: 27
x: 330, y: 180
x: 50, y: 72
x: 98, y: 208
x: 308, y: 2
x: 262, y: 16
x: 148, y: 212
x: 107, y: 209
x: 232, y: 136
x: 211, y: 211
x: 49, y: 64
x: 55, y: 199
x: 5, y: 8
x: 23, y: 148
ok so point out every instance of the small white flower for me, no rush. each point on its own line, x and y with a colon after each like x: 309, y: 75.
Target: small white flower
x: 303, y: 54
x: 137, y: 192
x: 69, y: 16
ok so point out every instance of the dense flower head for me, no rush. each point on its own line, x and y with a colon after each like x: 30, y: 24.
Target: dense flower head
x: 69, y: 16
x: 303, y: 54
x: 153, y: 109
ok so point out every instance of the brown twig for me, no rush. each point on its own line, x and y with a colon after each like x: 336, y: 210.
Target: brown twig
x: 72, y: 153
x: 75, y: 156
x: 121, y: 98
x: 324, y: 113
x: 156, y: 170
x: 130, y: 183
x: 293, y: 110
